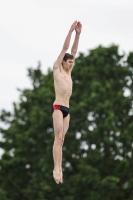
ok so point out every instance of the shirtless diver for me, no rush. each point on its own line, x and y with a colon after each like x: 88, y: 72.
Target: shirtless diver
x: 62, y: 69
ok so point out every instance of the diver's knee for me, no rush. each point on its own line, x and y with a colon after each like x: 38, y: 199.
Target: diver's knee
x: 59, y: 139
x: 63, y: 140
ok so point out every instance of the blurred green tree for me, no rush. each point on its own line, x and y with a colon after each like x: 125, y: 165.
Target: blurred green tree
x: 2, y: 195
x: 98, y: 148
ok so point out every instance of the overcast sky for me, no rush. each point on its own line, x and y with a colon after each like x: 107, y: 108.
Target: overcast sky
x: 34, y: 30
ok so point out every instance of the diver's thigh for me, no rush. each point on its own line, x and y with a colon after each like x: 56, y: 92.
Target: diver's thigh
x: 66, y: 121
x: 57, y: 121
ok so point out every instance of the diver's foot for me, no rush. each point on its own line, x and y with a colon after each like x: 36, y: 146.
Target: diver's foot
x: 57, y: 176
x: 61, y: 176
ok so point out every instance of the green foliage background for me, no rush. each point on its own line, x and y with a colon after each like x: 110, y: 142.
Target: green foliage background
x: 98, y: 148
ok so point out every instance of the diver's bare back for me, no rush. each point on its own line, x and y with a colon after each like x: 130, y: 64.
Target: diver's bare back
x: 63, y: 87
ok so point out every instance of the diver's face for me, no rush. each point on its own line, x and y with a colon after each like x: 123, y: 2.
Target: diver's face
x: 68, y: 64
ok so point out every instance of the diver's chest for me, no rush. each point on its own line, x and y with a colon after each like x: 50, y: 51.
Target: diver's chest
x: 67, y: 80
